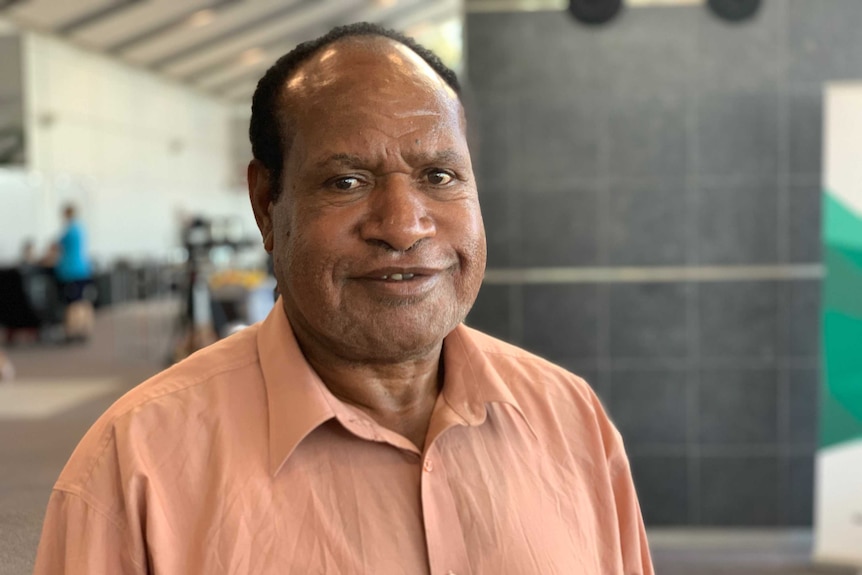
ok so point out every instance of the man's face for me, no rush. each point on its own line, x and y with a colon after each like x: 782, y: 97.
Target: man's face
x: 377, y: 237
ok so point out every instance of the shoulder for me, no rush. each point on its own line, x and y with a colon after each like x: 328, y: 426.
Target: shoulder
x: 559, y: 406
x: 528, y: 376
x: 151, y: 415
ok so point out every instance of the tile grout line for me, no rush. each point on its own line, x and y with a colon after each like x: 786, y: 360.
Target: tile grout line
x: 692, y: 198
x: 653, y: 274
x: 783, y: 230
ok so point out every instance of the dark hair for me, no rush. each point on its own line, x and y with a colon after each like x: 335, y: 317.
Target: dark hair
x: 267, y: 140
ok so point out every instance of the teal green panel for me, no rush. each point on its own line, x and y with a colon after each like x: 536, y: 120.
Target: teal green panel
x: 842, y: 289
x: 841, y: 225
x: 837, y: 424
x: 841, y: 407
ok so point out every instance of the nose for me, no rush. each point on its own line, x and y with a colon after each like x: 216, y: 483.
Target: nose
x: 398, y: 215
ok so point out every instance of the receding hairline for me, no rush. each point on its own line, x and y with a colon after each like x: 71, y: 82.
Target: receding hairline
x: 379, y: 45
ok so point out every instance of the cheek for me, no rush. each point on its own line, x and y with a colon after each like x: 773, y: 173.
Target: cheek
x: 310, y: 255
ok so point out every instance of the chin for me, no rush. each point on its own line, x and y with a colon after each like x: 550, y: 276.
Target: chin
x: 399, y: 341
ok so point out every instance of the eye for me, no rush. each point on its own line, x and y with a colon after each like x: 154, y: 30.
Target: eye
x: 439, y: 177
x: 347, y: 183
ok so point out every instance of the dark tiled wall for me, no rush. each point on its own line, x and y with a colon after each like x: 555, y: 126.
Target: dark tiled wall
x: 668, y: 138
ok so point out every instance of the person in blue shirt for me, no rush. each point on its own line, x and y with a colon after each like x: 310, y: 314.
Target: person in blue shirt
x: 74, y: 275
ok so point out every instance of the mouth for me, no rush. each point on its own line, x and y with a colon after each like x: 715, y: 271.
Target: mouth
x: 400, y: 274
x: 397, y: 277
x: 401, y: 281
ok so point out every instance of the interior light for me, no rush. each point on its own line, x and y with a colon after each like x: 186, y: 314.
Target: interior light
x: 201, y: 18
x: 252, y: 56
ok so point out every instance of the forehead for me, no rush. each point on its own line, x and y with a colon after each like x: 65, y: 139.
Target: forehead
x: 369, y: 80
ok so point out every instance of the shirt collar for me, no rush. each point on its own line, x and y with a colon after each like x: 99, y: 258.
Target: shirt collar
x: 299, y: 402
x: 296, y: 402
x: 471, y: 381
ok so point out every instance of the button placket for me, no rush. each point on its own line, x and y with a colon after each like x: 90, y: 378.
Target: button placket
x: 447, y: 552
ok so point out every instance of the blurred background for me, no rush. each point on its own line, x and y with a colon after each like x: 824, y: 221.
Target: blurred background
x: 650, y: 173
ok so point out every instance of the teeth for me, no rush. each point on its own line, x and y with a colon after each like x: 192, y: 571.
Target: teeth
x: 398, y: 277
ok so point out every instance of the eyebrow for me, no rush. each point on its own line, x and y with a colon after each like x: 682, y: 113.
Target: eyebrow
x: 443, y: 157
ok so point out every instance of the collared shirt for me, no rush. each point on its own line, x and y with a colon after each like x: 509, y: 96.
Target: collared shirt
x: 240, y: 460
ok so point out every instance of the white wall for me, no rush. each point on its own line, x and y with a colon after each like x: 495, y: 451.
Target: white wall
x: 133, y: 151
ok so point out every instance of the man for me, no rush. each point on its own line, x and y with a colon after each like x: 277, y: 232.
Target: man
x: 74, y: 275
x: 361, y: 428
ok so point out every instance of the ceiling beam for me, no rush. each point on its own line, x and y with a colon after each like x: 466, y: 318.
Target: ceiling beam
x: 286, y: 12
x: 279, y: 29
x: 425, y: 12
x: 95, y: 16
x: 395, y: 17
x: 166, y: 27
x: 6, y: 4
x: 354, y: 13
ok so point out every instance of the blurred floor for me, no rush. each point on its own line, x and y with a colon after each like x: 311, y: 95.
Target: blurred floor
x: 736, y: 552
x: 132, y: 342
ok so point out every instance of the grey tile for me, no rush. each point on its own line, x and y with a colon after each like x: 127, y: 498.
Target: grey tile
x: 650, y: 51
x: 649, y: 407
x: 805, y: 131
x: 647, y: 224
x: 805, y: 223
x: 823, y: 40
x: 559, y: 140
x: 649, y: 320
x: 738, y: 407
x: 797, y: 505
x: 804, y: 405
x: 744, y: 56
x: 647, y: 136
x: 561, y: 321
x: 494, y: 52
x: 800, y: 334
x: 737, y: 134
x: 737, y: 225
x: 558, y: 229
x: 738, y: 320
x: 492, y: 311
x: 662, y: 488
x: 739, y: 491
x: 561, y: 54
x: 498, y: 229
x: 492, y: 131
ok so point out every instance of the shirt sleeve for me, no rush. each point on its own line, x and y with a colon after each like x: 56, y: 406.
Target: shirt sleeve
x: 77, y: 539
x: 633, y: 540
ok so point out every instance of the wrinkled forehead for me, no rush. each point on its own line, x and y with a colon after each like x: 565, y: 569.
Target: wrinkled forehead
x: 368, y: 71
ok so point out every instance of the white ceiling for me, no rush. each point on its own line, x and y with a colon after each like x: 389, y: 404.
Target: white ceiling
x: 219, y: 46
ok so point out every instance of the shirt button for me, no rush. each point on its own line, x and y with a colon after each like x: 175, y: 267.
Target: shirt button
x: 428, y: 466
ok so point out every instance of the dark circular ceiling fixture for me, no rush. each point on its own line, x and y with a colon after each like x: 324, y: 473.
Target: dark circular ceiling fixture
x: 734, y: 10
x: 595, y: 12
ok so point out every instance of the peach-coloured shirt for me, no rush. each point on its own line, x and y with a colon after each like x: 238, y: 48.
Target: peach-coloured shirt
x: 239, y: 460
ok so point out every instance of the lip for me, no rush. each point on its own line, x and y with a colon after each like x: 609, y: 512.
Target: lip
x: 379, y: 273
x: 423, y: 281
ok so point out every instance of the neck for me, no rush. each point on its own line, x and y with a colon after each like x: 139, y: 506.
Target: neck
x: 398, y: 395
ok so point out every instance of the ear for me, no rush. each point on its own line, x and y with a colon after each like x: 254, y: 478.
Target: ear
x: 261, y: 201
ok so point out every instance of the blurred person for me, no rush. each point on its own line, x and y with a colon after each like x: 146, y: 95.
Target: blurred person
x: 7, y: 370
x: 362, y: 427
x: 74, y: 274
x: 28, y: 253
